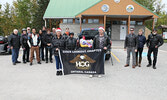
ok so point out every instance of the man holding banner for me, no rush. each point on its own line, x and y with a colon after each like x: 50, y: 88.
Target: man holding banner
x: 101, y: 41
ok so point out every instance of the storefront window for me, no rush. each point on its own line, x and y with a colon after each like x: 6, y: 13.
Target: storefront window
x: 90, y: 21
x: 64, y: 20
x: 96, y: 21
x: 83, y: 21
x: 77, y: 21
x: 132, y: 22
x: 123, y: 22
x: 70, y: 21
x: 67, y: 20
x: 116, y: 22
x: 139, y: 23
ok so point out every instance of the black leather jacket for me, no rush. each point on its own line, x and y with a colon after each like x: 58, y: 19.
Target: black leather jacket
x: 24, y: 41
x: 58, y: 43
x: 154, y: 40
x: 14, y: 40
x: 131, y: 41
x: 71, y: 43
x: 106, y: 43
x: 47, y: 39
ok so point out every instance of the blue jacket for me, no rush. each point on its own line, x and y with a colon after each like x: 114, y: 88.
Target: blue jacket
x: 141, y: 41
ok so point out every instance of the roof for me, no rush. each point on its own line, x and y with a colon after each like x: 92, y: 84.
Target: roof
x: 162, y: 27
x: 67, y: 8
x: 58, y: 9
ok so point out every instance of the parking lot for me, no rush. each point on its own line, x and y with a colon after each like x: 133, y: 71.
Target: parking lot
x: 39, y: 82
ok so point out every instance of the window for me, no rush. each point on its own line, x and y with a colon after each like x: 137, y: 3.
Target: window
x: 123, y: 22
x: 96, y: 21
x: 67, y: 20
x: 84, y: 21
x: 70, y: 21
x: 139, y: 23
x: 77, y: 21
x: 132, y: 22
x: 116, y: 22
x: 64, y: 20
x: 90, y: 21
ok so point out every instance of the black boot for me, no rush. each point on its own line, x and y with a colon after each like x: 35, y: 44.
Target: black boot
x: 149, y: 65
x: 58, y: 73
x: 24, y: 62
x: 140, y: 59
x: 154, y: 67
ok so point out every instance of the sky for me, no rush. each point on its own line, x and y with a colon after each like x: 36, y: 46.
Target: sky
x: 10, y: 2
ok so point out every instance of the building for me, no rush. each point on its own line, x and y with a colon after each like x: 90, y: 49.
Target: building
x: 117, y: 16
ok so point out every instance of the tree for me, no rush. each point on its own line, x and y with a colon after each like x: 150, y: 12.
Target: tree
x: 1, y: 32
x: 24, y: 10
x: 7, y: 19
x: 38, y: 21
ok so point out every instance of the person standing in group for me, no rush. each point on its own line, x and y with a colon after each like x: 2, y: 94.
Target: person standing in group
x: 34, y: 42
x: 58, y: 43
x: 153, y: 43
x: 66, y: 34
x: 25, y: 46
x: 54, y: 32
x: 130, y: 46
x: 71, y: 42
x: 28, y: 31
x: 141, y: 41
x: 101, y: 41
x: 14, y: 44
x: 42, y: 46
x: 47, y: 41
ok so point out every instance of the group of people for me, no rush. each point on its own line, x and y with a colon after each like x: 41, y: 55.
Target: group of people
x: 135, y: 43
x: 47, y: 42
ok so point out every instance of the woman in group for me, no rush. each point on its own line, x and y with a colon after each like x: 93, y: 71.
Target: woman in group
x: 141, y: 41
x: 58, y: 43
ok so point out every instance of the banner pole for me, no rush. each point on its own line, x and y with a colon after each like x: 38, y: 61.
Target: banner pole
x: 61, y: 62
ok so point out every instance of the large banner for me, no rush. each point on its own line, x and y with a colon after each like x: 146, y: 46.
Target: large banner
x: 82, y: 61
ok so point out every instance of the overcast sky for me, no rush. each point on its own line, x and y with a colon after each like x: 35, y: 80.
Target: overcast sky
x: 10, y: 2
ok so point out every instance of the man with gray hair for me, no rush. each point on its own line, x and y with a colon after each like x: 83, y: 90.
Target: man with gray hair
x: 14, y: 43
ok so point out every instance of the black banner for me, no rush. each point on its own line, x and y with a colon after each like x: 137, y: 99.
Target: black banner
x: 82, y: 61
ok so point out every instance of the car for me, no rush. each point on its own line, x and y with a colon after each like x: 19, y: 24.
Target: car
x: 89, y: 34
x: 4, y: 48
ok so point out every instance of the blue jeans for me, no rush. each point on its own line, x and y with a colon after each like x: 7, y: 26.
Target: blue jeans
x: 15, y: 54
x: 104, y: 56
x: 58, y: 63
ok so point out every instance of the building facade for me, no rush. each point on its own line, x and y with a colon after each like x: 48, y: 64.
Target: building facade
x: 116, y: 16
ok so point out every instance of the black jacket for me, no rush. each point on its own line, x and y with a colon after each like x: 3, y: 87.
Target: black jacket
x: 24, y: 41
x: 141, y: 41
x: 71, y: 43
x: 154, y: 40
x: 58, y: 43
x: 65, y: 36
x: 106, y: 43
x: 42, y: 39
x: 48, y: 39
x: 14, y: 41
x: 131, y: 41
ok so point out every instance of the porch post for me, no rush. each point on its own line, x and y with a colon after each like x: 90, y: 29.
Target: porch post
x: 45, y: 23
x: 80, y: 20
x: 129, y: 24
x: 153, y: 24
x: 50, y: 24
x: 105, y: 22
